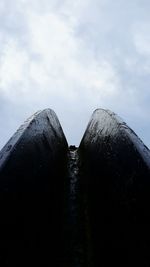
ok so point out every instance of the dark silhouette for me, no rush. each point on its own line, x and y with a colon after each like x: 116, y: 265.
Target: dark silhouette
x: 75, y: 207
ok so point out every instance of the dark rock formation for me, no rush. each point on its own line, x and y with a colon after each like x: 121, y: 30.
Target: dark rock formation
x: 69, y: 207
x: 32, y: 170
x: 116, y: 186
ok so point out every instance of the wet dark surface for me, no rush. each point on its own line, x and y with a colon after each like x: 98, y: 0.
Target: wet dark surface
x: 75, y: 207
x: 32, y: 172
x: 116, y: 185
x: 74, y: 230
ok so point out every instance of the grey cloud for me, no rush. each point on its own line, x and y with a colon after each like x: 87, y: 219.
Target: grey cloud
x: 74, y: 56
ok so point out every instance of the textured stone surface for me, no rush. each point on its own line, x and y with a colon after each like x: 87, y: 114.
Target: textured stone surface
x: 32, y: 169
x: 85, y: 207
x: 74, y: 251
x: 116, y: 186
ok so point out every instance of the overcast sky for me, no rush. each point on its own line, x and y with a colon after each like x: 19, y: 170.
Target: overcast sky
x: 74, y: 57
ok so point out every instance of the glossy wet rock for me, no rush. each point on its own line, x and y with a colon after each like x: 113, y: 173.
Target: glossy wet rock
x: 75, y: 207
x: 32, y: 167
x: 116, y: 179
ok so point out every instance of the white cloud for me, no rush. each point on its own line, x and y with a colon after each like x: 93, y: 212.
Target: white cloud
x: 74, y: 56
x: 13, y: 61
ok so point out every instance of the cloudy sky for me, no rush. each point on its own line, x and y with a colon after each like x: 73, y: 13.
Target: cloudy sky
x: 74, y: 57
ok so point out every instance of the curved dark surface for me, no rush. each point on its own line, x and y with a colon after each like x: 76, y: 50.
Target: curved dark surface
x: 32, y: 171
x: 115, y: 167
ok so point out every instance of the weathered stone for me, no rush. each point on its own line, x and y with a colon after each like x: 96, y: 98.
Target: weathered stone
x: 75, y: 207
x: 116, y: 187
x: 32, y: 170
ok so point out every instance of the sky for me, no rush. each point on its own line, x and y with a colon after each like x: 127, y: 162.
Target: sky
x: 74, y: 57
